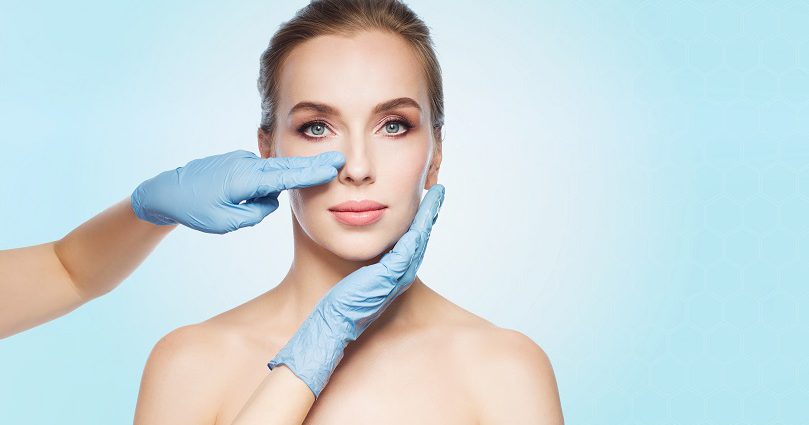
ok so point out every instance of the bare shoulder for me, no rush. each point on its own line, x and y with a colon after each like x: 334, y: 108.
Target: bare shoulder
x: 508, y: 375
x: 181, y: 377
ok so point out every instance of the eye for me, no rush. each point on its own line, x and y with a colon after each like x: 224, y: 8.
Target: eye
x: 393, y: 127
x: 318, y: 129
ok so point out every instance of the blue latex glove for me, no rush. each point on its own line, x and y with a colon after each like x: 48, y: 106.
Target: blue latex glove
x: 207, y: 193
x: 349, y: 307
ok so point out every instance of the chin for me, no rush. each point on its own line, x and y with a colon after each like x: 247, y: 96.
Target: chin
x: 359, y: 247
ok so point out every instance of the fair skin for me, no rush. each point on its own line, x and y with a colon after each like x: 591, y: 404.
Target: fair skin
x: 42, y: 282
x: 425, y: 360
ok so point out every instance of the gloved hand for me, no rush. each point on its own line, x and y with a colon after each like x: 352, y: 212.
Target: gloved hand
x: 207, y: 193
x: 356, y: 301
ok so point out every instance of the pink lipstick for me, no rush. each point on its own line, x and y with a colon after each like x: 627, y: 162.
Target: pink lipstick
x: 358, y: 213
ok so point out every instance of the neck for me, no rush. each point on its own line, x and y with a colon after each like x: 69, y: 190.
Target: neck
x: 315, y: 270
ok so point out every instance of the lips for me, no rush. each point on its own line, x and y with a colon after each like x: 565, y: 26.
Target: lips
x: 358, y: 206
x: 358, y: 213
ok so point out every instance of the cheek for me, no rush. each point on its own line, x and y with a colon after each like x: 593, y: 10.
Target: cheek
x: 404, y: 174
x: 306, y: 202
x: 291, y: 145
x: 414, y: 164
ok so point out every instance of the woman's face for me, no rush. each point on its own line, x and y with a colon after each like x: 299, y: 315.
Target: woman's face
x: 339, y: 94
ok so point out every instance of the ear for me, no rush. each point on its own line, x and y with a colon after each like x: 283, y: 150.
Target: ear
x: 264, y: 143
x: 435, y: 165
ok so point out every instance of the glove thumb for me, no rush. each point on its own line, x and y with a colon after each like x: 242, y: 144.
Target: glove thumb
x: 254, y: 210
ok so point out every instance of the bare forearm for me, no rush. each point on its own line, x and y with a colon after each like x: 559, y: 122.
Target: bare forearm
x: 103, y: 251
x: 42, y: 282
x: 281, y: 399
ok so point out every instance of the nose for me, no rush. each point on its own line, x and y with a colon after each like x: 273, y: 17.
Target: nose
x: 358, y: 169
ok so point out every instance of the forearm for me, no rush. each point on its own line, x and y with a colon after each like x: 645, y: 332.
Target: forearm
x: 103, y: 251
x: 281, y: 398
x: 300, y: 371
x: 42, y: 282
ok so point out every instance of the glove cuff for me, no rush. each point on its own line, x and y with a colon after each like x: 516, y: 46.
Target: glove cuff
x: 313, y: 353
x: 145, y: 214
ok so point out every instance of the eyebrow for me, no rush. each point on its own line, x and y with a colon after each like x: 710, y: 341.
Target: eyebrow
x: 331, y: 110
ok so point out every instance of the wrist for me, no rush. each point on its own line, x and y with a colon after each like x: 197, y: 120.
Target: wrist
x: 144, y: 213
x: 313, y: 353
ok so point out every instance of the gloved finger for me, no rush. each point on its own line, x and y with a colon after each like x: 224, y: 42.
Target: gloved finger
x: 295, y: 178
x: 253, y: 211
x: 366, y: 287
x: 332, y: 158
x: 423, y: 222
x: 274, y: 174
x: 395, y: 263
x: 239, y: 153
x: 427, y: 213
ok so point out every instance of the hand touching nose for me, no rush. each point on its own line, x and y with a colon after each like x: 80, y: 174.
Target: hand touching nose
x: 222, y: 193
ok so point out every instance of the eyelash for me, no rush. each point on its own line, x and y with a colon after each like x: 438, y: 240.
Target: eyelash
x: 302, y: 129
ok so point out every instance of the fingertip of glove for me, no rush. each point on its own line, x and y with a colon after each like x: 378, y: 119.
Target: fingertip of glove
x: 440, y: 187
x: 442, y: 191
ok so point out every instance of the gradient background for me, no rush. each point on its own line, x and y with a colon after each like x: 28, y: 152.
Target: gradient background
x: 627, y: 183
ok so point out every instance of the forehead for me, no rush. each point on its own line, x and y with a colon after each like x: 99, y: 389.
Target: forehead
x: 353, y: 73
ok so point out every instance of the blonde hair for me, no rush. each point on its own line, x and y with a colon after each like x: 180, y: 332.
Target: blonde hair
x: 345, y: 18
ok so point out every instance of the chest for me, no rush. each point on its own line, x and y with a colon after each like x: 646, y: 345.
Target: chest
x: 387, y: 385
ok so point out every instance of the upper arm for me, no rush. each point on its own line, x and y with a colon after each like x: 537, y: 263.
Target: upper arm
x: 179, y: 383
x: 516, y: 382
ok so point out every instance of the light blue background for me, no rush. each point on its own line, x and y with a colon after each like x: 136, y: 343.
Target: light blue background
x: 627, y: 183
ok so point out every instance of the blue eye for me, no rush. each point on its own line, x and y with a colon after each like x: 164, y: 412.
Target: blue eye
x: 397, y: 124
x: 318, y: 128
x: 393, y: 128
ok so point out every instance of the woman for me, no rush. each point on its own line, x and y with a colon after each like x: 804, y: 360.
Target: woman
x: 359, y: 77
